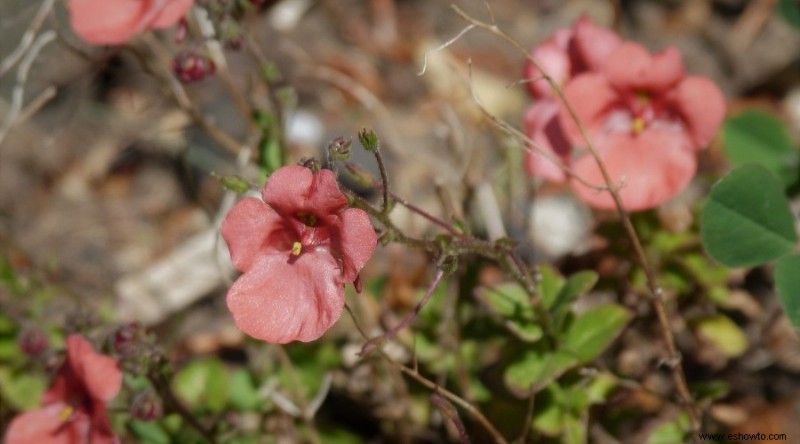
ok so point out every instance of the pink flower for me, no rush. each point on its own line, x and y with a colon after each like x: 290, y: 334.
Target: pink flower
x: 113, y: 22
x: 567, y: 53
x: 297, y: 248
x: 74, y: 409
x: 646, y: 119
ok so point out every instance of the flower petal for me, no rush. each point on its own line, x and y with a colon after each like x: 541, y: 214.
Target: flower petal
x: 40, y: 426
x: 355, y: 241
x: 542, y: 125
x: 98, y: 373
x: 702, y: 106
x: 552, y: 56
x: 295, y: 189
x: 247, y: 229
x: 279, y: 302
x: 631, y: 67
x: 107, y: 22
x: 592, y: 44
x: 652, y: 167
x: 593, y: 98
x: 172, y: 11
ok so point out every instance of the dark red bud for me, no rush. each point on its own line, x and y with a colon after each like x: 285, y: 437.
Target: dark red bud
x: 191, y: 67
x: 146, y: 406
x: 33, y: 342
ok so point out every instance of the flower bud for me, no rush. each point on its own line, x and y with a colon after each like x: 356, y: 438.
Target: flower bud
x: 33, y: 342
x: 146, y: 406
x: 339, y: 148
x: 191, y: 67
x: 125, y: 337
x: 369, y: 140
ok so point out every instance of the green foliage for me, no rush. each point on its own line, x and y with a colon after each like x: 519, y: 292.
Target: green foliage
x: 564, y: 406
x: 271, y: 154
x: 723, y: 333
x: 202, y: 384
x: 21, y: 390
x: 582, y: 340
x: 790, y: 10
x: 671, y: 431
x: 787, y: 282
x: 512, y: 304
x: 758, y: 137
x: 746, y: 220
x: 149, y: 432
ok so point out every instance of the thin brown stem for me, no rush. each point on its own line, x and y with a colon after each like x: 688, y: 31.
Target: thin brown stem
x: 164, y: 388
x: 373, y: 343
x: 422, y: 380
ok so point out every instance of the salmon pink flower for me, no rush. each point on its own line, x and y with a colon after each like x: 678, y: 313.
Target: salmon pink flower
x: 74, y: 410
x: 297, y: 249
x: 646, y: 119
x: 113, y: 22
x: 567, y: 53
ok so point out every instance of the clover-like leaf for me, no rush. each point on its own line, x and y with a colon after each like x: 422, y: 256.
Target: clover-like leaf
x: 759, y: 137
x: 746, y: 220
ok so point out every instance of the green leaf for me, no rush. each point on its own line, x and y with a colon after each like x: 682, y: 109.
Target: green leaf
x: 723, y: 333
x: 23, y: 390
x: 243, y: 394
x: 536, y: 367
x: 585, y: 338
x: 758, y: 137
x: 670, y: 432
x: 513, y: 305
x: 577, y: 285
x: 787, y: 283
x: 592, y: 332
x: 203, y: 383
x: 790, y: 10
x: 549, y: 285
x: 149, y: 432
x: 746, y: 220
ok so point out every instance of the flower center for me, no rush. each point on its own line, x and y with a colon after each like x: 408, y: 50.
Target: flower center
x: 297, y: 248
x: 307, y: 218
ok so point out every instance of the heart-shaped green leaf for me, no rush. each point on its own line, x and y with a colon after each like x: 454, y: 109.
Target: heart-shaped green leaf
x: 746, y: 220
x: 759, y: 137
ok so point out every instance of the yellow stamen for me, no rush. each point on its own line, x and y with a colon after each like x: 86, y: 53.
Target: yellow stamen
x: 637, y: 126
x: 65, y: 414
x: 297, y: 247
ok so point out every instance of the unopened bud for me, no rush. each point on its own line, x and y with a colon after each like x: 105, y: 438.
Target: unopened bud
x: 191, y: 67
x: 369, y: 140
x: 125, y: 336
x: 33, y: 342
x: 146, y: 406
x: 339, y: 148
